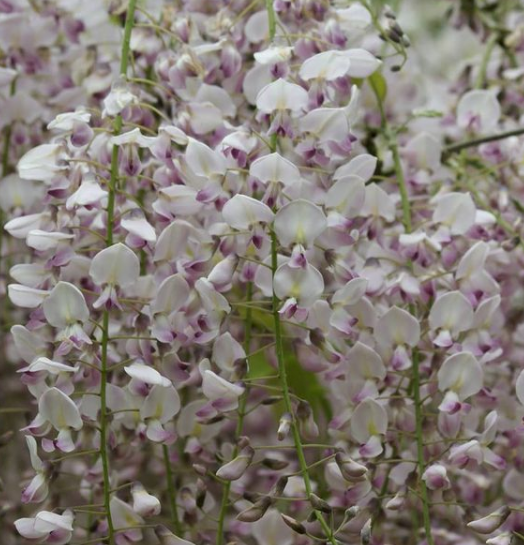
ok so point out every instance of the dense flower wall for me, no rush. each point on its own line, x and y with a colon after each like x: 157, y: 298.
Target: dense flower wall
x: 261, y: 272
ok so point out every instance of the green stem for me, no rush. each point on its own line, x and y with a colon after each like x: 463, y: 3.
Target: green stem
x: 454, y: 148
x: 7, y: 137
x: 287, y: 397
x: 404, y: 197
x: 401, y: 181
x: 241, y: 415
x: 415, y: 379
x: 171, y: 492
x: 272, y: 19
x: 5, y: 172
x: 104, y: 454
x: 420, y: 447
x: 481, y: 77
x: 5, y: 153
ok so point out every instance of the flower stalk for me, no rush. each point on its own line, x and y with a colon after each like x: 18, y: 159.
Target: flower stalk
x: 415, y: 378
x: 455, y: 148
x: 171, y: 491
x: 242, y: 402
x: 104, y: 452
x: 288, y: 405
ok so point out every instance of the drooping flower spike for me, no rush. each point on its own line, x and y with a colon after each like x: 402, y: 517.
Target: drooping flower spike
x: 262, y: 268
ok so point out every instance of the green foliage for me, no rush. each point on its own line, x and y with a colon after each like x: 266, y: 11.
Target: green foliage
x: 305, y: 384
x: 379, y: 85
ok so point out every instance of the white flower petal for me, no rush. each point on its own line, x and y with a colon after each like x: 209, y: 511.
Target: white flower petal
x: 147, y: 374
x: 65, y: 306
x: 117, y: 265
x: 462, y: 374
x: 397, y: 327
x: 59, y: 410
x: 242, y: 212
x: 368, y: 419
x: 299, y: 222
x: 306, y: 285
x: 282, y: 95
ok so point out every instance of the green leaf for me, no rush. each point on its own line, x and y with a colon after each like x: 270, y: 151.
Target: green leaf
x: 258, y: 317
x: 518, y: 205
x: 259, y: 366
x: 427, y: 113
x: 305, y: 384
x: 379, y: 85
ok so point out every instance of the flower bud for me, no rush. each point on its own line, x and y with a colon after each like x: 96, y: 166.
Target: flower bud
x: 168, y: 538
x: 280, y: 485
x: 200, y: 469
x: 491, y: 522
x: 351, y: 513
x: 319, y: 504
x: 144, y: 504
x: 187, y: 500
x: 296, y: 526
x: 389, y: 13
x: 275, y: 463
x: 243, y: 442
x: 505, y: 538
x: 284, y: 426
x: 256, y: 511
x: 396, y: 502
x: 201, y: 493
x: 436, y: 477
x: 317, y: 338
x: 234, y: 469
x: 6, y: 437
x: 394, y: 36
x: 306, y: 421
x: 271, y: 400
x: 214, y: 419
x: 365, y: 533
x: 350, y: 469
x: 241, y: 369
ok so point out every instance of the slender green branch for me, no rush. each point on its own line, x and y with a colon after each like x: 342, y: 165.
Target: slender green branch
x: 104, y: 454
x: 171, y: 492
x: 404, y: 197
x: 5, y: 153
x: 271, y: 19
x: 7, y: 136
x: 454, y: 148
x: 103, y: 427
x: 490, y: 45
x: 415, y: 379
x: 241, y: 415
x: 420, y: 447
x: 393, y: 146
x: 5, y: 171
x: 287, y: 398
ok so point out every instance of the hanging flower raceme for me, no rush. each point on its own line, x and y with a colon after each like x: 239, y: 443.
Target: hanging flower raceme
x: 264, y: 280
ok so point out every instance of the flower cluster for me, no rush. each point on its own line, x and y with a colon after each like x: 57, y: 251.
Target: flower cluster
x: 264, y: 272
